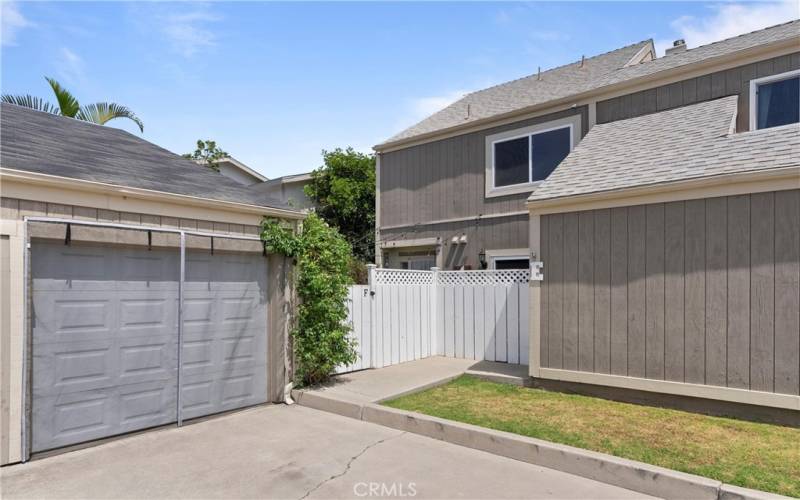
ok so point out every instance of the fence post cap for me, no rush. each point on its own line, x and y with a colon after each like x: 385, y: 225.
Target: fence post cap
x: 434, y: 269
x: 372, y: 266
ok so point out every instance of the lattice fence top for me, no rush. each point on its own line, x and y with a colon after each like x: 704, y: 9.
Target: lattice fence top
x: 402, y: 277
x: 498, y: 277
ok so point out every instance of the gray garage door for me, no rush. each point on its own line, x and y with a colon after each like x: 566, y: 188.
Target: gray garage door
x: 224, y: 343
x: 105, y: 339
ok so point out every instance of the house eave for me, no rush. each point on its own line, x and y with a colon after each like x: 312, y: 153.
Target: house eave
x: 700, y: 187
x: 33, y: 178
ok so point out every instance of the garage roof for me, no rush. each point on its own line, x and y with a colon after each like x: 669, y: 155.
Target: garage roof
x: 44, y: 143
x: 685, y: 143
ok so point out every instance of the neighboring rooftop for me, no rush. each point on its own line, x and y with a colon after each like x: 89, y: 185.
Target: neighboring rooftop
x: 685, y: 143
x: 572, y: 79
x: 49, y: 144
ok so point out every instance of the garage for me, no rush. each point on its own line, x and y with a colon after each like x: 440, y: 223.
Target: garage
x: 106, y: 337
x: 135, y: 291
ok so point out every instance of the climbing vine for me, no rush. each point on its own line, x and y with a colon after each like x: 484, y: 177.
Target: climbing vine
x: 322, y: 257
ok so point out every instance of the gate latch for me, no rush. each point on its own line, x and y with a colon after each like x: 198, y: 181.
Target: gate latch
x: 537, y: 270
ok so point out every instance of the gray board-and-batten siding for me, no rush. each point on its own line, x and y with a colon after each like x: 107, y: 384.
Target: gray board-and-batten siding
x: 486, y: 234
x: 700, y: 291
x: 734, y: 81
x: 445, y: 179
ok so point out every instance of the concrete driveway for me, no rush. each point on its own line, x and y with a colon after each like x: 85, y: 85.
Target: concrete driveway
x: 289, y: 452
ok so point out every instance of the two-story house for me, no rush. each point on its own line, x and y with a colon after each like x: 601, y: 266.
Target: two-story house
x: 452, y: 188
x: 662, y: 195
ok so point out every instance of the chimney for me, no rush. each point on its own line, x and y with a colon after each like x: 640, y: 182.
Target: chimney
x: 678, y: 45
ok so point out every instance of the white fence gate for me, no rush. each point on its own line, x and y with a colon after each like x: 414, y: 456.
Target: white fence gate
x: 404, y: 315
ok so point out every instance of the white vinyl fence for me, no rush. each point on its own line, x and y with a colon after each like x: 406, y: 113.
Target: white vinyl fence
x: 404, y: 315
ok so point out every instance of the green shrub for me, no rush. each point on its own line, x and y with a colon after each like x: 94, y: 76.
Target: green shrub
x: 323, y: 257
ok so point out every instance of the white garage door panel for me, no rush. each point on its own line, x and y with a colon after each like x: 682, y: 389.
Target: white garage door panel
x: 225, y: 320
x: 104, y: 341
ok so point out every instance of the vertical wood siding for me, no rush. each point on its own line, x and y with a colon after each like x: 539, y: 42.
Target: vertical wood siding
x: 734, y: 81
x: 446, y: 179
x: 701, y: 291
x: 486, y: 234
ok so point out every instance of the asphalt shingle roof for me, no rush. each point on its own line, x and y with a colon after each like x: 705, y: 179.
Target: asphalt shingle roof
x: 680, y: 144
x: 599, y: 71
x: 55, y: 145
x: 535, y: 89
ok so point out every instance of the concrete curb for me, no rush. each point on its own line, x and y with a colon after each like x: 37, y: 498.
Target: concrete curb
x: 326, y: 403
x: 637, y: 476
x: 420, y: 388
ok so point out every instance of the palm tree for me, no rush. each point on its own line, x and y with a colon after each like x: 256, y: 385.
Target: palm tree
x: 100, y: 112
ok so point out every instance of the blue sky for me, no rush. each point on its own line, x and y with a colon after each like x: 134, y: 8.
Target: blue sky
x: 275, y: 83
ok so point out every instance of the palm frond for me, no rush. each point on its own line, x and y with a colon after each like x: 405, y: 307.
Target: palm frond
x: 103, y: 112
x: 30, y: 101
x: 66, y: 102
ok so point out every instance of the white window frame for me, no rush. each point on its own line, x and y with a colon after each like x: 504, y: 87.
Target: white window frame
x: 493, y: 256
x: 573, y: 123
x: 754, y: 84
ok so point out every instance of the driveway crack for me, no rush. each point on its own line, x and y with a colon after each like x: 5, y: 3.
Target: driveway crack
x: 350, y: 464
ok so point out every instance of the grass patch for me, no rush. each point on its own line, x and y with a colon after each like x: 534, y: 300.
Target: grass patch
x: 752, y: 455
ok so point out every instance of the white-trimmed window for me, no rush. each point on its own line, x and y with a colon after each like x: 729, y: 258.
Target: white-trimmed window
x: 518, y: 160
x: 775, y: 100
x: 517, y: 258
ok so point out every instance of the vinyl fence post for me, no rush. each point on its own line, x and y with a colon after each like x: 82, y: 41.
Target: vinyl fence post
x: 434, y: 323
x: 372, y: 313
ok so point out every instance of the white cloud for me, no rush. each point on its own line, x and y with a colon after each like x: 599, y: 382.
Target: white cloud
x: 11, y: 22
x: 729, y: 20
x: 187, y: 27
x: 70, y: 66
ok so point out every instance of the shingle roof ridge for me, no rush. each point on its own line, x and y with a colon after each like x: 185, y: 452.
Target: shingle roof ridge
x: 716, y: 42
x: 549, y: 70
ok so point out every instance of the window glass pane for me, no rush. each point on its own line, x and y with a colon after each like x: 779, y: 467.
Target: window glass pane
x: 511, y: 162
x: 778, y: 103
x: 511, y: 264
x: 549, y: 148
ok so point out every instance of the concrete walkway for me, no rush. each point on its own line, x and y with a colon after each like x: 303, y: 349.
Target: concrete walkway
x: 289, y: 452
x: 368, y: 386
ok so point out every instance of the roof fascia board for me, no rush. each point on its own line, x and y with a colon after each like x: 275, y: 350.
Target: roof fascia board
x: 664, y: 77
x: 691, y: 189
x: 8, y: 174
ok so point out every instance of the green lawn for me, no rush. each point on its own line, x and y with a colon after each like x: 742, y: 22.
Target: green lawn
x: 753, y: 455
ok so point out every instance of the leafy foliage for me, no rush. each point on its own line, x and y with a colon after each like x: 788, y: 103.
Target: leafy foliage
x: 208, y: 153
x: 99, y: 112
x: 344, y: 190
x: 322, y: 255
x: 102, y: 112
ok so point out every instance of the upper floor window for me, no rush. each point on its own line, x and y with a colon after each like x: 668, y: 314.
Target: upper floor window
x: 775, y: 100
x: 517, y: 160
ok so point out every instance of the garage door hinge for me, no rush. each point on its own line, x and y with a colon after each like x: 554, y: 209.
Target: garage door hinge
x: 68, y: 235
x: 149, y: 240
x: 212, y: 245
